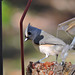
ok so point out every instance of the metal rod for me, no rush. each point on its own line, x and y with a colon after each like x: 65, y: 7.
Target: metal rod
x: 21, y: 35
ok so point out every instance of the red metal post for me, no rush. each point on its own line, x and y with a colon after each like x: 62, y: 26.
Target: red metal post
x: 21, y: 35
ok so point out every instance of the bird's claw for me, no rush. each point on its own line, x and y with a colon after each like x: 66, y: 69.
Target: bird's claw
x: 62, y: 63
x: 37, y: 62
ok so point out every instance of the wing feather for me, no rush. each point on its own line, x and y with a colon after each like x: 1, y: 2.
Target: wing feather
x: 45, y: 38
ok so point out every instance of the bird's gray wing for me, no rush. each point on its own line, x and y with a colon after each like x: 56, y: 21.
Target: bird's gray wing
x: 68, y: 26
x: 45, y: 38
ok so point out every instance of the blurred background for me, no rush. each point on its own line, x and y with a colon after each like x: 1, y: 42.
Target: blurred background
x: 43, y: 14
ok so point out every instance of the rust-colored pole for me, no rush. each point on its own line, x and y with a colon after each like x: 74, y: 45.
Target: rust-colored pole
x: 21, y: 35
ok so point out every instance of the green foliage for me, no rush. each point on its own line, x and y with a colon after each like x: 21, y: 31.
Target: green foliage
x: 6, y: 14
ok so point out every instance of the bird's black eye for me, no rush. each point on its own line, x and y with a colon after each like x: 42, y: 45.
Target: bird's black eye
x: 29, y: 33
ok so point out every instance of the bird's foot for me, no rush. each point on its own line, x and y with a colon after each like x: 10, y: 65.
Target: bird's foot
x: 37, y: 62
x: 62, y: 63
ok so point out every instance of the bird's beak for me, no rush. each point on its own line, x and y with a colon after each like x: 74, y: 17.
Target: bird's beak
x: 26, y: 39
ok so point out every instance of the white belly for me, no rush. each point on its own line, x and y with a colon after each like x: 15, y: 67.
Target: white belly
x: 50, y: 49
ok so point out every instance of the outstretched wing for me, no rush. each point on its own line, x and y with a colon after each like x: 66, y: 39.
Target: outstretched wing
x: 68, y: 26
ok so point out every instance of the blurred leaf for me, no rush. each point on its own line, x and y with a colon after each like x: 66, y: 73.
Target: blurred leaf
x: 6, y: 14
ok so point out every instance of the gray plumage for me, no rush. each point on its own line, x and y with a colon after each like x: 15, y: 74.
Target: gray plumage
x: 41, y: 37
x: 47, y: 43
x: 50, y: 39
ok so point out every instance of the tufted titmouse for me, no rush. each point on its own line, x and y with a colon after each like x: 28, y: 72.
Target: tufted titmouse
x: 47, y: 43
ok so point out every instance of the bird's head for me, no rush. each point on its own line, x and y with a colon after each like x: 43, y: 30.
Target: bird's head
x: 31, y: 32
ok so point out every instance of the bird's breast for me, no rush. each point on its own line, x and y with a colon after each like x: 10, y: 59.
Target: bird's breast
x: 46, y: 49
x: 50, y: 49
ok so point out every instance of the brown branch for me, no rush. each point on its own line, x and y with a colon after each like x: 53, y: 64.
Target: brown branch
x: 21, y: 34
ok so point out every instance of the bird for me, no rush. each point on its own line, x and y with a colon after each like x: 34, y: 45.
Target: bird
x: 46, y: 43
